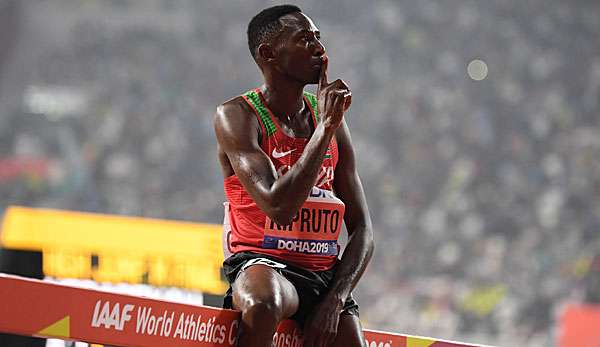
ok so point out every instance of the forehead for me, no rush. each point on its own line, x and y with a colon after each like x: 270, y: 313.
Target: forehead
x: 295, y: 22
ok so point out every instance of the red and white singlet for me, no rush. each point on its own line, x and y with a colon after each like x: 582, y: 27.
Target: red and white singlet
x: 311, y: 241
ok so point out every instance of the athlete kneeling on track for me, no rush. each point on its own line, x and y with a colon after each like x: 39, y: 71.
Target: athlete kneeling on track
x: 290, y: 180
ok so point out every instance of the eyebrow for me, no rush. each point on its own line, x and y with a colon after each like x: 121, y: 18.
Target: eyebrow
x: 305, y: 31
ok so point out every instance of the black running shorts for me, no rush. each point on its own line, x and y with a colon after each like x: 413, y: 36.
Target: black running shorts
x: 310, y: 285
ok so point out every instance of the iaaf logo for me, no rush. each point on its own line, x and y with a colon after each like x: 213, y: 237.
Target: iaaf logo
x: 379, y: 344
x: 111, y: 318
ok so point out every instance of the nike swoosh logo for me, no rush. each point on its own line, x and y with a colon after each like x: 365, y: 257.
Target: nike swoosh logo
x: 278, y: 155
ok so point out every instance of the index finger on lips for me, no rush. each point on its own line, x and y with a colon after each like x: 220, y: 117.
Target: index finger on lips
x: 323, y: 74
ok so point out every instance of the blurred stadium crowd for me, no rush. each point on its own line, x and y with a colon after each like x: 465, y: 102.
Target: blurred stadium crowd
x: 485, y: 195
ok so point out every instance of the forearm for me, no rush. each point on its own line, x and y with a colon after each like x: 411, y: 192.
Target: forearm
x: 353, y: 263
x: 290, y: 191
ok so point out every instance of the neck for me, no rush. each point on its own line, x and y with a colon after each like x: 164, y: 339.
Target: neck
x: 283, y: 97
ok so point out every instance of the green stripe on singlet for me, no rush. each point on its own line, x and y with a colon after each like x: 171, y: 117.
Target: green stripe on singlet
x: 312, y: 99
x: 254, y: 98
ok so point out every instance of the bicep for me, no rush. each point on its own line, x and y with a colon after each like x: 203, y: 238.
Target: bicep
x: 347, y: 183
x: 238, y: 139
x: 254, y: 170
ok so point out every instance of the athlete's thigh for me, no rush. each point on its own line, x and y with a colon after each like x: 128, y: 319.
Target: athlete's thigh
x: 349, y: 333
x: 261, y: 283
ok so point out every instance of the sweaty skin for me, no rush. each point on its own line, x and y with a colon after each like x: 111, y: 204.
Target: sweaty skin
x: 264, y: 296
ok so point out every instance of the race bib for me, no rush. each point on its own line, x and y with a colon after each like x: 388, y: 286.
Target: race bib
x: 315, y: 228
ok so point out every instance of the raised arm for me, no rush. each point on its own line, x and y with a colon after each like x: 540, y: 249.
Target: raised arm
x: 279, y: 197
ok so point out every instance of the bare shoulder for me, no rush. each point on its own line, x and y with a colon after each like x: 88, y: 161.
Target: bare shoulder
x: 235, y: 108
x: 235, y: 123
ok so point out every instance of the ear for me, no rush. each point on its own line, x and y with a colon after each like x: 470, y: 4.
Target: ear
x: 266, y: 53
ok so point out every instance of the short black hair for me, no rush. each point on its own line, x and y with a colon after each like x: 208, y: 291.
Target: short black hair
x: 265, y: 24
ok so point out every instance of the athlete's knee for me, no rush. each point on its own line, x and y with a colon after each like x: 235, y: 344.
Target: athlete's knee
x: 263, y: 311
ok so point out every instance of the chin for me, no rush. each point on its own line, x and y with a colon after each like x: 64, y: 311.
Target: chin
x: 308, y: 77
x: 306, y: 81
x: 314, y: 79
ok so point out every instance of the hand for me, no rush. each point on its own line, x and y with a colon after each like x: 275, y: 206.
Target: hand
x: 320, y: 329
x: 333, y: 99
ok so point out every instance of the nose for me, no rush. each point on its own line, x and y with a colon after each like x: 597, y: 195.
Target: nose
x: 319, y: 48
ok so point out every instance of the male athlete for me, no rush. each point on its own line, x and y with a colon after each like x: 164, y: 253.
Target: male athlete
x: 290, y: 181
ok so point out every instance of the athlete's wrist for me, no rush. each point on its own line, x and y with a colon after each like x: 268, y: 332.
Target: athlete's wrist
x: 335, y: 299
x: 328, y: 128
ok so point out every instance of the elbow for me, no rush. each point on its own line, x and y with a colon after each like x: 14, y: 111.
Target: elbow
x: 281, y: 215
x: 371, y: 243
x: 364, y: 236
x: 277, y: 210
x: 369, y: 240
x: 281, y: 220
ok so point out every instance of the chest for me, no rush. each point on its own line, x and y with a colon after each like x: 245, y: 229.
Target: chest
x: 285, y: 151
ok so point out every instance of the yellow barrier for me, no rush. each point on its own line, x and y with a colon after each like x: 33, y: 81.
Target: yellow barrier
x: 109, y: 248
